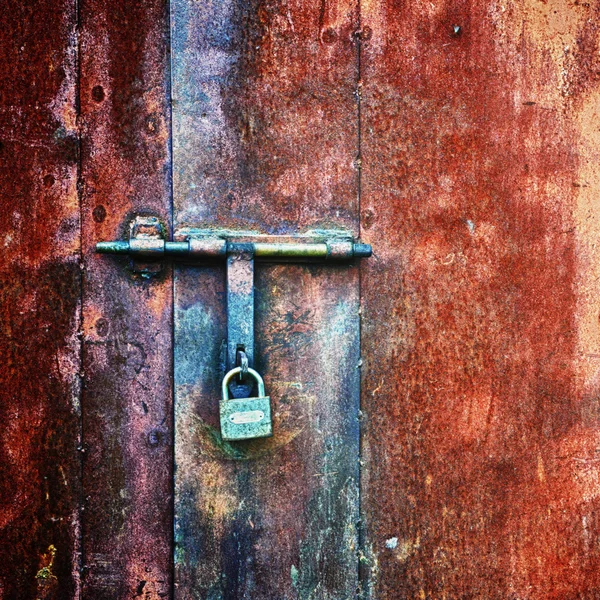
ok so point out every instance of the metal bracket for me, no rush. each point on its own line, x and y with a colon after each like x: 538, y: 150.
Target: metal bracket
x: 240, y: 312
x: 145, y: 230
x: 240, y: 250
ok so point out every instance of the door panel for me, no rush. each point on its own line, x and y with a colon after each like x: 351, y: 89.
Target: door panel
x: 265, y: 139
x: 127, y: 317
x: 479, y: 147
x: 39, y: 302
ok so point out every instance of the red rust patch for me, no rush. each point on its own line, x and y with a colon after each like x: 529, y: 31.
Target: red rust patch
x: 40, y: 473
x: 469, y: 160
x: 39, y: 300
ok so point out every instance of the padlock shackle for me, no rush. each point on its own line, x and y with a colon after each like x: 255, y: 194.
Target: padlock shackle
x: 231, y: 374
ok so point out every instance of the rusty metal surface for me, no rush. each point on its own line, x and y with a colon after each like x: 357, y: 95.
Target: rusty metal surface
x: 479, y: 186
x: 478, y: 152
x: 127, y: 428
x: 39, y: 302
x: 264, y: 139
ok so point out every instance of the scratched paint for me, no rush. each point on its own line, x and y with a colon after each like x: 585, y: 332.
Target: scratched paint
x: 127, y: 518
x: 265, y: 138
x: 479, y: 180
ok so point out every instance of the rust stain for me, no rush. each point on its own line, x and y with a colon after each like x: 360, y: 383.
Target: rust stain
x: 39, y: 301
x: 281, y: 127
x: 479, y: 178
x: 40, y: 409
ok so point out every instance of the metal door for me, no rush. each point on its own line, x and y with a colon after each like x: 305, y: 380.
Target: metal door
x: 435, y: 408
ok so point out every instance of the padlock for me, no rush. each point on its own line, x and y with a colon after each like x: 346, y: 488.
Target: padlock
x: 245, y: 418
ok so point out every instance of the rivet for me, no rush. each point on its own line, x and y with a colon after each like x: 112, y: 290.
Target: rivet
x: 102, y: 327
x: 154, y: 438
x: 366, y: 34
x: 98, y: 93
x: 329, y: 36
x: 99, y: 213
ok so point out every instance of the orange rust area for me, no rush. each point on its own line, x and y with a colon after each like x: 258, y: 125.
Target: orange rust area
x: 482, y: 433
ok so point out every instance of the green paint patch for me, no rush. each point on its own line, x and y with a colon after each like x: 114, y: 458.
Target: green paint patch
x: 210, y: 443
x: 47, y: 582
x: 294, y: 576
x: 45, y: 573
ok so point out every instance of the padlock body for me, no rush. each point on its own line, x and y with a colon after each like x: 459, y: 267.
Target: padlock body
x: 246, y: 418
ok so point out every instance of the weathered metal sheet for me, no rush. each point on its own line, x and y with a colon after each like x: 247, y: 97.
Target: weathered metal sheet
x: 480, y: 181
x: 127, y: 427
x: 39, y: 302
x: 265, y: 139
